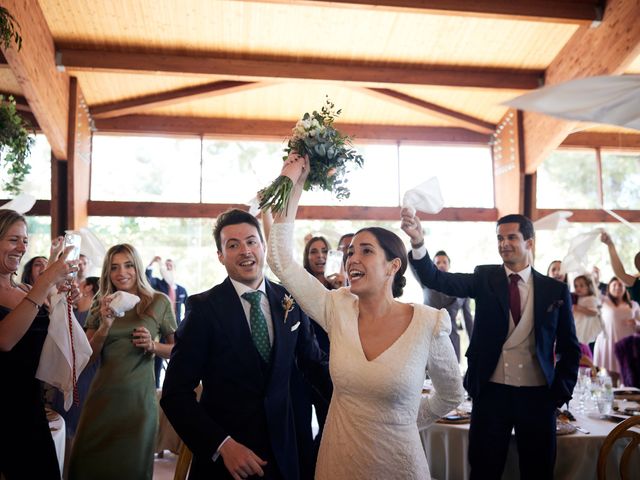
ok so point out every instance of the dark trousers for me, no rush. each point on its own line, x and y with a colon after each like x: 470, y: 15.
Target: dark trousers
x: 498, y: 410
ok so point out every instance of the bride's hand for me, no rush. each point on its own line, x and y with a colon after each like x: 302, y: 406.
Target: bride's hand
x: 296, y: 165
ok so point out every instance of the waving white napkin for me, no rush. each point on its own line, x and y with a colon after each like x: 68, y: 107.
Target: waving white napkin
x: 55, y: 366
x: 426, y: 197
x: 576, y: 259
x: 21, y: 204
x: 122, y: 302
x: 613, y: 100
x: 554, y: 221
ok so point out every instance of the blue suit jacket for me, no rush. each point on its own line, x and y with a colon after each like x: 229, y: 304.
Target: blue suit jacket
x: 161, y: 285
x: 241, y: 396
x: 553, y: 323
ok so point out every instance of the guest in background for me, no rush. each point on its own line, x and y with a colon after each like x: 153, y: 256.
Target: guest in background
x: 632, y: 282
x: 118, y: 425
x: 27, y: 450
x: 84, y: 266
x: 33, y: 269
x: 452, y: 305
x: 555, y: 271
x: 620, y: 318
x: 177, y: 296
x: 585, y: 310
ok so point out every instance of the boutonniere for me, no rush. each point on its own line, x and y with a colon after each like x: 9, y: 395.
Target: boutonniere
x: 554, y: 305
x: 287, y: 305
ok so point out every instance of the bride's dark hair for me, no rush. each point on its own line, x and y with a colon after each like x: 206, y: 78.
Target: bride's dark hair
x: 393, y: 247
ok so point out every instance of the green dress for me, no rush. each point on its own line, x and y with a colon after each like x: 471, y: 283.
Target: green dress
x: 117, y: 430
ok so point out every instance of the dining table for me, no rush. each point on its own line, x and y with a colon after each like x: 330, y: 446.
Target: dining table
x: 447, y: 444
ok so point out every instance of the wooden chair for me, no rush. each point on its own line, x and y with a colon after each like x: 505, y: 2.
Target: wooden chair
x: 621, y: 431
x: 184, y: 462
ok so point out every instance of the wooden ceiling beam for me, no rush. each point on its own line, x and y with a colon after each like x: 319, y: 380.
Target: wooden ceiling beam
x: 173, y: 97
x: 458, y: 119
x: 606, y: 50
x: 608, y: 140
x: 212, y: 210
x: 557, y: 11
x: 279, y: 129
x: 254, y: 69
x: 45, y: 88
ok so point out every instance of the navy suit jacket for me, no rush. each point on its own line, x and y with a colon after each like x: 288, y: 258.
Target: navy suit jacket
x: 161, y: 285
x: 553, y: 323
x: 242, y: 396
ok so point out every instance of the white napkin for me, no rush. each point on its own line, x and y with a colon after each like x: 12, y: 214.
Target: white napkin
x: 426, y: 197
x: 554, y: 221
x: 254, y: 206
x: 611, y: 99
x: 55, y: 366
x: 576, y: 259
x: 122, y: 302
x: 93, y: 248
x: 21, y: 204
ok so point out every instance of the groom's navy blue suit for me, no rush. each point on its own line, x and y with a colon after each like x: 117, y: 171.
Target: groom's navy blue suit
x: 242, y: 397
x: 556, y: 346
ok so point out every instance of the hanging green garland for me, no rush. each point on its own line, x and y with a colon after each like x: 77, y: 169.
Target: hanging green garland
x: 15, y: 146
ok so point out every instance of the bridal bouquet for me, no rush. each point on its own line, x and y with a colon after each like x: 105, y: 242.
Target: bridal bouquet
x: 329, y: 154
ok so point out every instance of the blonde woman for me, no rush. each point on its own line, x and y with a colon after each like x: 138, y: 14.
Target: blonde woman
x: 117, y: 430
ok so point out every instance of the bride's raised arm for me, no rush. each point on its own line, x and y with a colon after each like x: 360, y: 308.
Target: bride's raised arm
x: 305, y: 288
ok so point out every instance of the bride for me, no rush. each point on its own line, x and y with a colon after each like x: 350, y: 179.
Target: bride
x: 380, y: 349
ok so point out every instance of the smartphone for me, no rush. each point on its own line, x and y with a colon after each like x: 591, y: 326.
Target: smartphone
x: 73, y: 239
x: 333, y: 265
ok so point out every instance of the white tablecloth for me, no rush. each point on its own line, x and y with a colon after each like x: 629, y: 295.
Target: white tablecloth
x: 447, y: 446
x: 58, y: 433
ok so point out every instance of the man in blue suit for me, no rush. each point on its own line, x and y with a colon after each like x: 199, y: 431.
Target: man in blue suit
x: 523, y: 356
x: 240, y: 339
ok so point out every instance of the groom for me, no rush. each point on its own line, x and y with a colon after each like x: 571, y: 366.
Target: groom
x: 240, y: 339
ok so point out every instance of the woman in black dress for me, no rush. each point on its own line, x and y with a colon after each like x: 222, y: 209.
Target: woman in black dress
x: 26, y: 447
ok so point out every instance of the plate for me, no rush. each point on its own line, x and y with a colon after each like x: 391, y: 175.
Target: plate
x: 563, y: 428
x: 456, y: 418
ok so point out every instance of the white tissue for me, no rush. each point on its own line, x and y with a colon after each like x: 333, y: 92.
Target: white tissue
x: 122, y: 302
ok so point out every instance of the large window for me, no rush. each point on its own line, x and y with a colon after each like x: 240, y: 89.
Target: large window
x: 568, y: 179
x: 192, y: 170
x: 148, y: 169
x: 190, y: 243
x: 465, y: 173
x: 621, y: 180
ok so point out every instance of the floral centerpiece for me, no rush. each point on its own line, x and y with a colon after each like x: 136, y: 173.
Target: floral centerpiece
x: 329, y: 152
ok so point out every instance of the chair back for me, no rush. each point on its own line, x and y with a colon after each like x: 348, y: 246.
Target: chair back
x: 621, y: 431
x: 184, y: 462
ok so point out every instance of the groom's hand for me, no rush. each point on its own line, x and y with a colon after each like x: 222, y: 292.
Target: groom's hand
x: 241, y: 461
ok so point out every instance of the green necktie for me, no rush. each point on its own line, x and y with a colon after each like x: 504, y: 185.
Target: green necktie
x: 258, y: 322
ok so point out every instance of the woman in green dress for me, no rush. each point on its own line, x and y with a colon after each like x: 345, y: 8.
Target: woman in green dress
x: 117, y: 430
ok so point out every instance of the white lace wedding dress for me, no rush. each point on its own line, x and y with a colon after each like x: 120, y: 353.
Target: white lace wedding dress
x: 371, y: 431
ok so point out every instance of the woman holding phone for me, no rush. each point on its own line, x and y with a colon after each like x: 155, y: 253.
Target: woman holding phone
x: 26, y: 446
